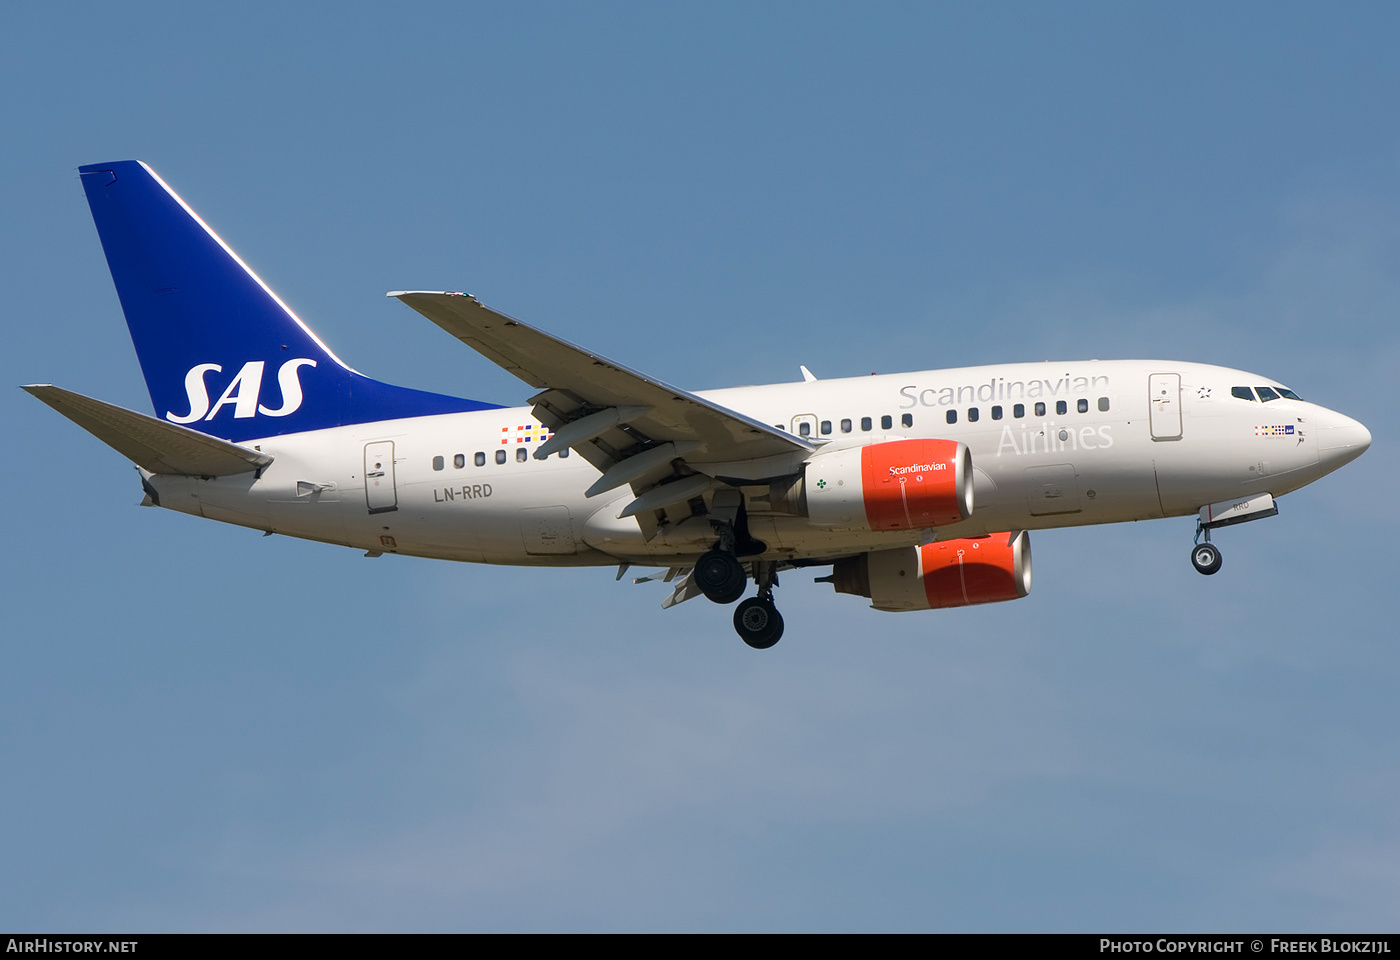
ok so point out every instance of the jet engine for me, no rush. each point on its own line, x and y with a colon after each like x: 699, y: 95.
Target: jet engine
x: 949, y: 573
x: 898, y: 485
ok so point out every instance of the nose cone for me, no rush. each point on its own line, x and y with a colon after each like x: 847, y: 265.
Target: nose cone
x: 1340, y: 440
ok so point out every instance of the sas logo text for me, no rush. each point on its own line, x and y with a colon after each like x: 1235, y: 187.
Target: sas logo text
x: 243, y: 393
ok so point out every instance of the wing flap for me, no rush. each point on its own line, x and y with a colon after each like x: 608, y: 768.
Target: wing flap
x: 155, y: 445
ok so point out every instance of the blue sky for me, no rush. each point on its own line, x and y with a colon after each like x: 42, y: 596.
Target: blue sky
x: 202, y: 729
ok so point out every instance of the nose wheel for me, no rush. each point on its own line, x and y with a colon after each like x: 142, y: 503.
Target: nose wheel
x: 1205, y: 557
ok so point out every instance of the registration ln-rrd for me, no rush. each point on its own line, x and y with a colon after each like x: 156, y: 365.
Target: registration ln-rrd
x: 916, y: 489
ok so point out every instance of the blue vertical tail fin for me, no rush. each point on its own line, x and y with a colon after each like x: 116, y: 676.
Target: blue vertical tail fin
x: 219, y: 350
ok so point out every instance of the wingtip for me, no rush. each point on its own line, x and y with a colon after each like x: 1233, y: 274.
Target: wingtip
x: 399, y: 294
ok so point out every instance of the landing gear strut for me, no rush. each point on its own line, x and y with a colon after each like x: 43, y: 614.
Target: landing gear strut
x: 1205, y: 557
x: 757, y: 620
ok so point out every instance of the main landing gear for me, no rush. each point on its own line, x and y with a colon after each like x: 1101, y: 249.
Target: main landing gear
x: 1205, y: 557
x: 721, y: 578
x: 757, y: 620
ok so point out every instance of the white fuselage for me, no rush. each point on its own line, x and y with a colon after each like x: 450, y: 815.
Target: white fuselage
x: 1101, y: 450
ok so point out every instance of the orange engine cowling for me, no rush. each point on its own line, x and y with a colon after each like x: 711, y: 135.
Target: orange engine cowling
x: 949, y: 573
x: 899, y: 485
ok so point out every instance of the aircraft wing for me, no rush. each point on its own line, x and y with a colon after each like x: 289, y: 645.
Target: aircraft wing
x: 624, y: 422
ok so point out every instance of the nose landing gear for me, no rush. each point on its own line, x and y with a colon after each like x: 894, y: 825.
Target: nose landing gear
x: 1205, y: 557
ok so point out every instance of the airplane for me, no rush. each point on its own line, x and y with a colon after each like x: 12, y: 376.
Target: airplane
x: 917, y: 489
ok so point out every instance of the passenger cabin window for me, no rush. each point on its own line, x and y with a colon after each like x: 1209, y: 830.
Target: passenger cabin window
x: 1242, y: 393
x: 826, y: 428
x: 479, y: 459
x: 865, y: 423
x: 907, y: 419
x: 459, y: 461
x: 1083, y: 406
x: 500, y: 456
x: 563, y: 454
x: 952, y: 416
x: 1103, y: 404
x: 437, y: 463
x: 845, y: 426
x: 1061, y: 407
x: 521, y: 454
x: 886, y: 423
x: 996, y: 413
x: 1018, y: 411
x: 1266, y: 394
x: 973, y: 415
x: 804, y: 429
x: 1040, y: 409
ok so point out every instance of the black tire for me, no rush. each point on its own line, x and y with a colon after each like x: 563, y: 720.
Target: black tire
x: 720, y: 576
x: 1205, y: 558
x: 758, y: 623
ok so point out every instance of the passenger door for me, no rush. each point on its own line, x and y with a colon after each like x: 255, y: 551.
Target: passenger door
x: 380, y: 493
x: 1164, y: 400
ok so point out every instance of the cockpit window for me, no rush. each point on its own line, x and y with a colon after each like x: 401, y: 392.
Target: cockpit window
x: 1243, y: 393
x: 1266, y: 394
x: 1287, y: 393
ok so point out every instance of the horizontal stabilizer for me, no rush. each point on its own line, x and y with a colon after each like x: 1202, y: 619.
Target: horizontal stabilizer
x: 153, y: 444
